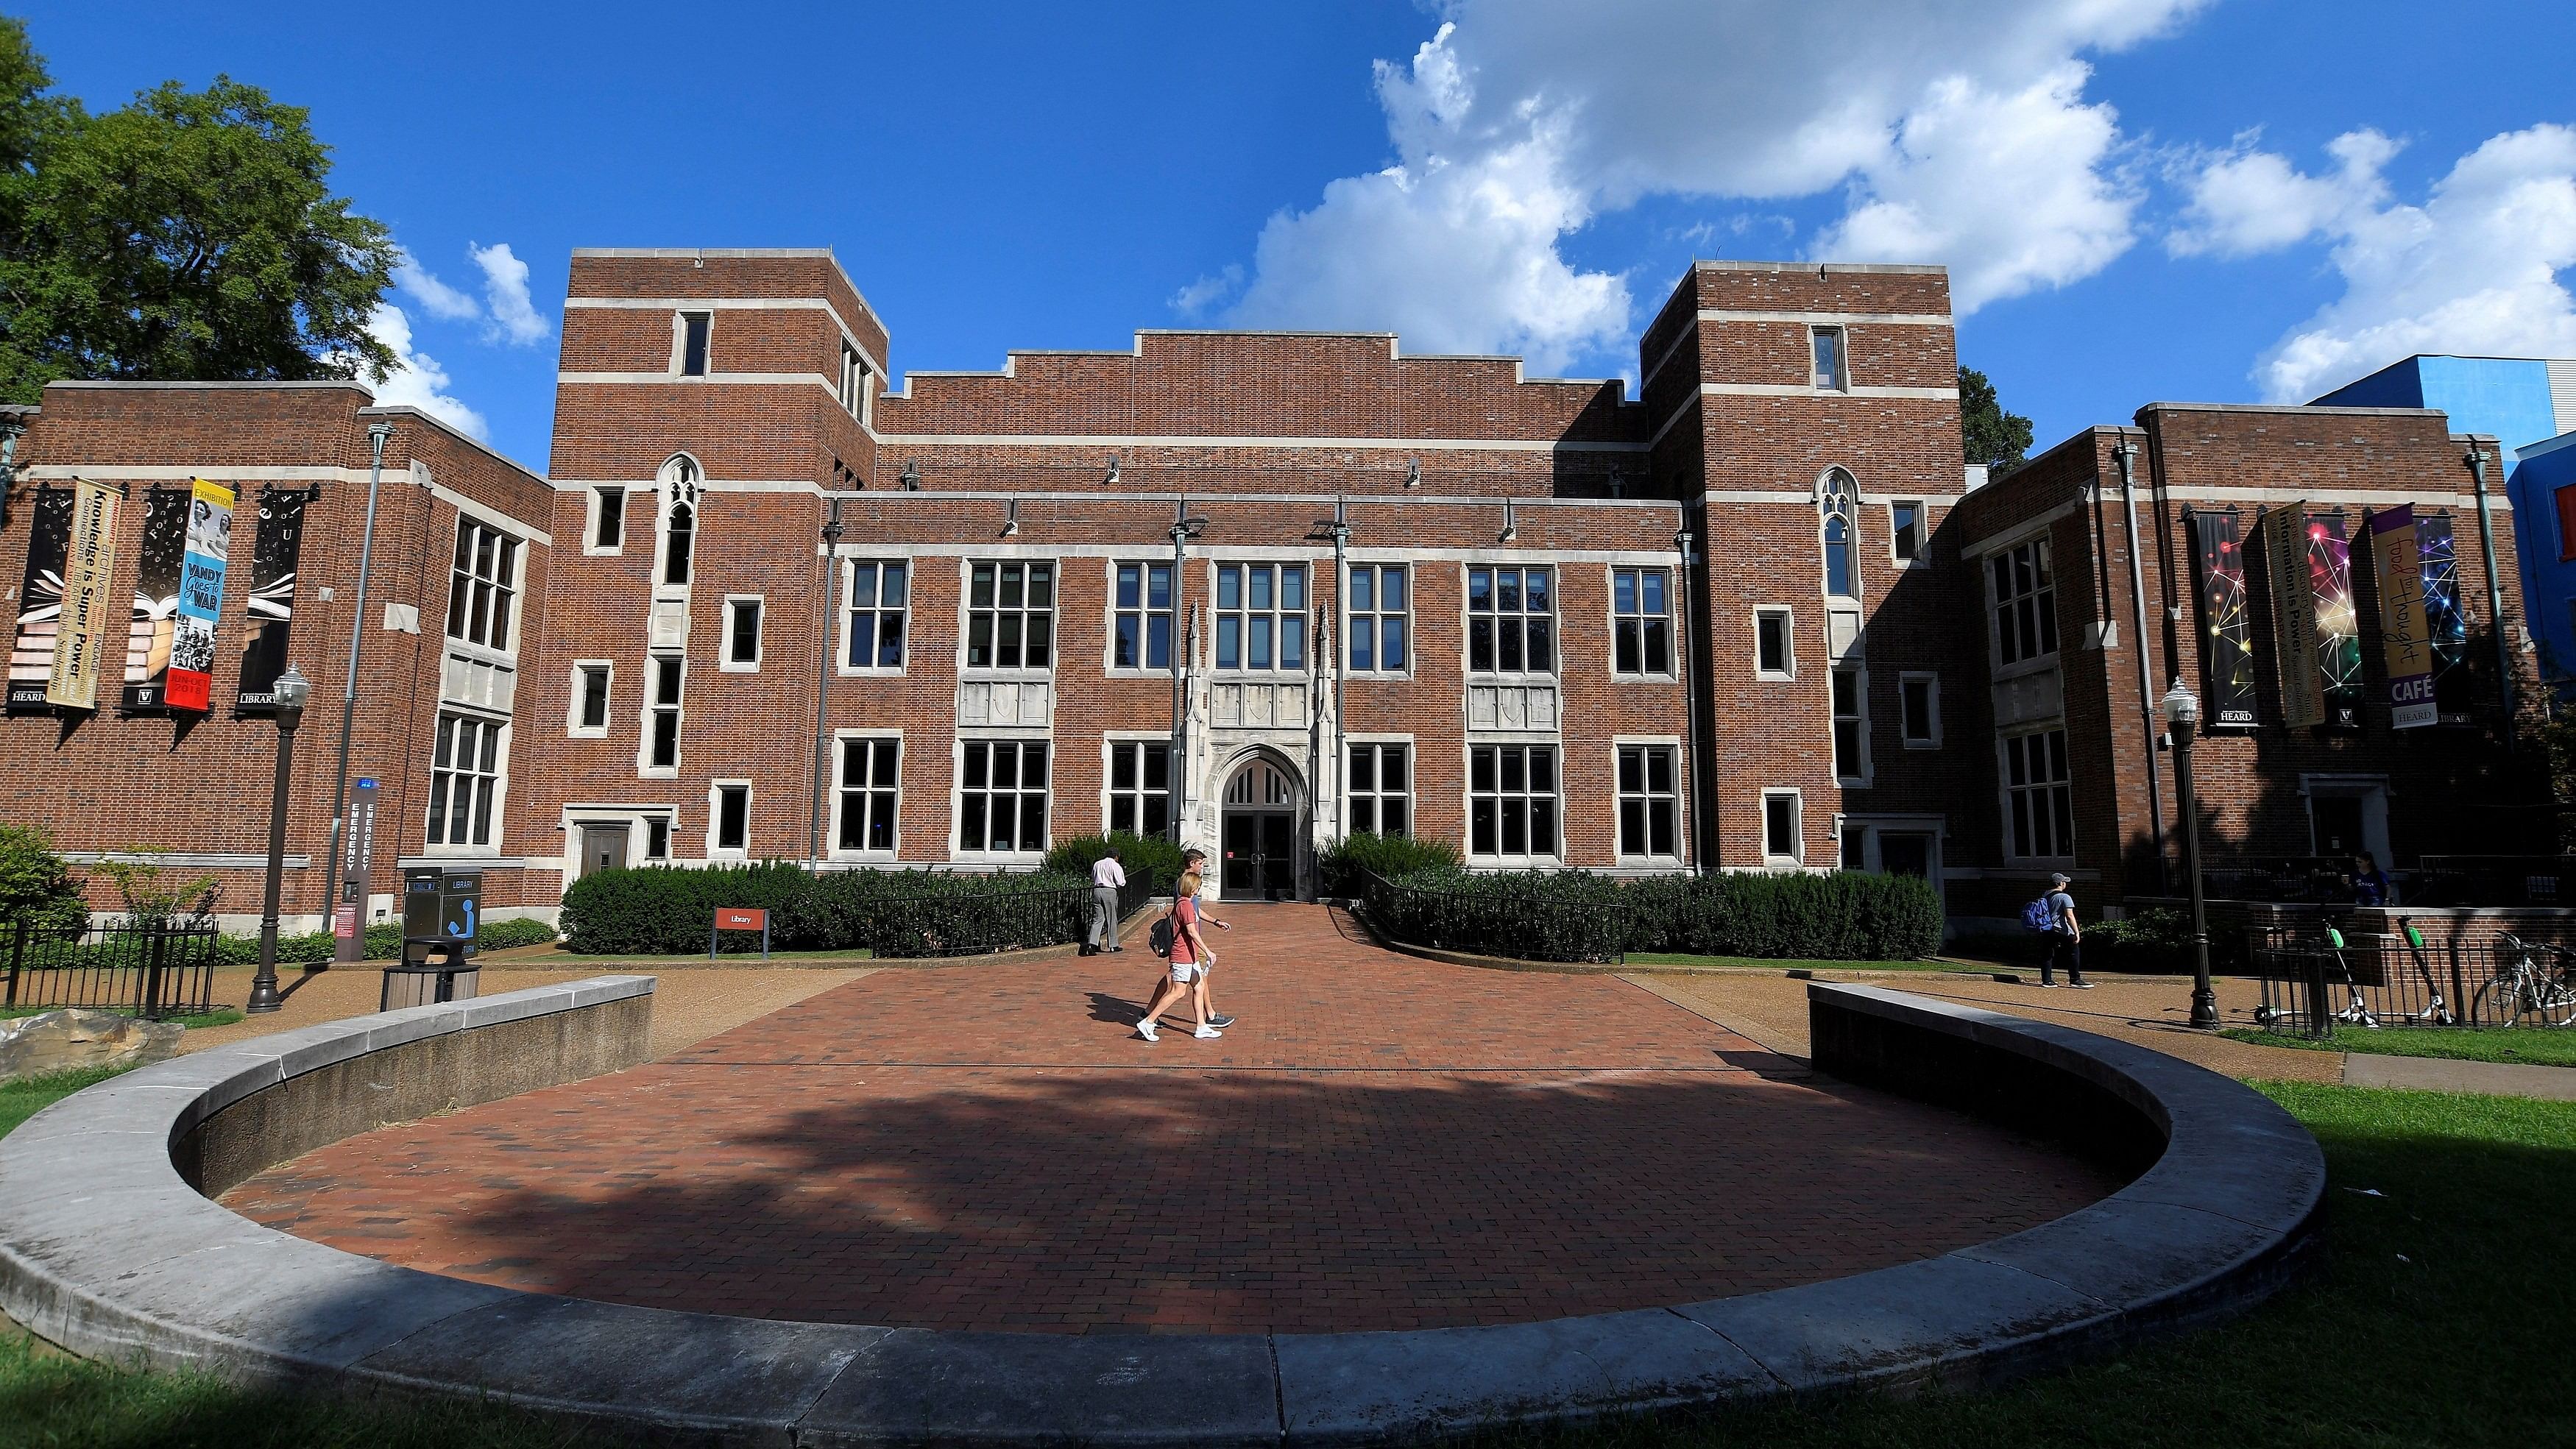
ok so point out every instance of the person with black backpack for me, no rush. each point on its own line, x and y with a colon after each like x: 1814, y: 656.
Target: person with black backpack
x: 2054, y: 914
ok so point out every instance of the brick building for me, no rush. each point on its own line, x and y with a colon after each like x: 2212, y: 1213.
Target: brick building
x: 1259, y: 588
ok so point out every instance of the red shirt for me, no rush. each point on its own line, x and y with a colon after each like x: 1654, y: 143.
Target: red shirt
x: 1185, y: 916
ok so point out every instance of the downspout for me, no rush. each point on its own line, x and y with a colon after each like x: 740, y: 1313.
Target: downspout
x: 1175, y: 778
x: 822, y: 688
x: 2495, y: 588
x: 353, y: 948
x: 1341, y: 730
x: 2125, y: 453
x: 1683, y: 542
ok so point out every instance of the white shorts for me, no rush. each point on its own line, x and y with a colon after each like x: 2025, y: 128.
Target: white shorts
x: 1185, y: 972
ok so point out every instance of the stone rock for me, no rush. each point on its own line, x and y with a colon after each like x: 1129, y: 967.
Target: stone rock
x: 63, y: 1041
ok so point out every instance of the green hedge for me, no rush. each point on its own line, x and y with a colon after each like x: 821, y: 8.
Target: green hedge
x: 1138, y: 855
x: 384, y: 943
x: 1576, y: 916
x: 1347, y: 864
x: 666, y: 910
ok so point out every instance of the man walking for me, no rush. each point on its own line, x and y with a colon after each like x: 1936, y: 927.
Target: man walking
x: 2065, y: 938
x: 1108, y: 878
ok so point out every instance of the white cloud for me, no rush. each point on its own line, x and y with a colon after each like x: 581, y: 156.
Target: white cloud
x: 435, y: 297
x: 1960, y: 134
x: 1194, y: 300
x: 505, y: 290
x: 2474, y: 270
x: 417, y: 380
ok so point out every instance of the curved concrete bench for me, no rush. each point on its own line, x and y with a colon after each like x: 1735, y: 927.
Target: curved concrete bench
x: 106, y: 1248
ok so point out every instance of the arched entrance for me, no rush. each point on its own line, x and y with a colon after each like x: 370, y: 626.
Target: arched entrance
x: 1257, y: 841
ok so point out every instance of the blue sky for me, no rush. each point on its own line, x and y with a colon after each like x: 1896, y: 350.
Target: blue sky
x: 2140, y: 199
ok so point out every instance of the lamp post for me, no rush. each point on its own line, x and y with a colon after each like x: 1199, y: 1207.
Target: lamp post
x: 823, y: 692
x: 292, y: 687
x: 1185, y: 526
x: 2181, y: 709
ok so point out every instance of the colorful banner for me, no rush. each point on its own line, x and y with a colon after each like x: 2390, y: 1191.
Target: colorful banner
x: 2405, y: 645
x: 273, y: 563
x: 156, y: 598
x: 89, y: 562
x: 2226, y: 633
x: 2284, y: 532
x: 201, y: 595
x: 2338, y: 622
x: 40, y: 601
x: 2445, y: 625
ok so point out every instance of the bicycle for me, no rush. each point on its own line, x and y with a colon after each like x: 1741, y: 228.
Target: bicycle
x: 2525, y: 988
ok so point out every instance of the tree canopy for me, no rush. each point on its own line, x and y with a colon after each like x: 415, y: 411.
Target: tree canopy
x: 1992, y: 436
x: 187, y: 236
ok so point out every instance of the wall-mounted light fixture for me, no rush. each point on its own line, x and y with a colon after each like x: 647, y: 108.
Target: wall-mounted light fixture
x: 1511, y: 530
x: 1112, y: 480
x: 910, y: 481
x: 1413, y: 472
x: 1011, y: 526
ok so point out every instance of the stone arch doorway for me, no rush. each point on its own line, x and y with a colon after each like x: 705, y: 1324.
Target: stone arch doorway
x: 1257, y: 830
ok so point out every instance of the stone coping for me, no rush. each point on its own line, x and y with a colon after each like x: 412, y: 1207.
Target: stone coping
x: 106, y: 1250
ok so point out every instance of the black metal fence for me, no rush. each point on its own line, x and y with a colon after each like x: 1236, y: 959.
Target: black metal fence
x: 155, y: 971
x: 937, y: 923
x: 2310, y: 988
x: 1579, y: 923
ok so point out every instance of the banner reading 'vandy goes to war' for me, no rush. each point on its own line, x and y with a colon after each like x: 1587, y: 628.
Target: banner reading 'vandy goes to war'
x: 201, y: 595
x: 2404, y: 636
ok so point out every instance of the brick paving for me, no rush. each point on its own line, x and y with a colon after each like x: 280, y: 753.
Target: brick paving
x: 1382, y: 1142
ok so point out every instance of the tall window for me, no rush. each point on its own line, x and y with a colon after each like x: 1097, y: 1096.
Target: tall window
x: 1261, y: 616
x: 608, y: 522
x: 742, y: 633
x: 732, y: 819
x: 1381, y: 790
x: 2039, y: 803
x: 1919, y: 702
x: 679, y: 544
x: 1140, y: 786
x: 1141, y: 636
x: 1642, y: 621
x: 483, y: 585
x: 1905, y: 530
x: 657, y: 838
x: 1002, y: 796
x: 590, y: 698
x: 1511, y: 801
x: 1378, y: 618
x: 1851, y: 725
x: 871, y: 776
x: 662, y: 723
x: 1782, y: 832
x: 854, y: 382
x: 1838, y: 501
x: 1774, y: 656
x: 693, y: 343
x: 1649, y: 801
x: 1010, y: 616
x: 876, y: 606
x: 2025, y: 603
x: 1511, y: 625
x: 1831, y: 371
x: 464, y: 774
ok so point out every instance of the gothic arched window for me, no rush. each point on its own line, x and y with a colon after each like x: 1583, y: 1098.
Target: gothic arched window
x: 679, y: 519
x: 1837, y: 499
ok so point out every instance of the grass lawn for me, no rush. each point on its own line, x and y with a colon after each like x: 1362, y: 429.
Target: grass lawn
x: 1648, y: 959
x: 220, y: 1016
x: 2429, y: 1288
x: 2523, y: 1045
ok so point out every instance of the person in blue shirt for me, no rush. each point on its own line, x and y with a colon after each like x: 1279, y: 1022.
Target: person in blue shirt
x: 2370, y: 884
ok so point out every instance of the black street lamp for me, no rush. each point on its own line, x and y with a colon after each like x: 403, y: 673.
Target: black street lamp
x: 2181, y: 709
x: 291, y: 687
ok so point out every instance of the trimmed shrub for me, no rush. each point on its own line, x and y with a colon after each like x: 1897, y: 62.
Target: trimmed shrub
x: 2154, y: 940
x: 660, y: 910
x: 666, y: 910
x: 35, y: 885
x: 383, y: 943
x: 1531, y: 915
x: 1574, y: 916
x: 1140, y: 855
x: 1345, y: 866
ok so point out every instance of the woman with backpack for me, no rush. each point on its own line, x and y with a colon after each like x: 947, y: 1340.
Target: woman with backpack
x: 1178, y: 933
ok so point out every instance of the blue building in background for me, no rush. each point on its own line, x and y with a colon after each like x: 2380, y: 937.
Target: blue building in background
x: 2529, y: 406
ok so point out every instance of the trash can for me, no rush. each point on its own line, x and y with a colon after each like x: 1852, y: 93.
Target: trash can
x: 441, y: 911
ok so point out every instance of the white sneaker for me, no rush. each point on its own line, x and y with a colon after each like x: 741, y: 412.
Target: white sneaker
x: 1207, y: 1033
x: 1146, y: 1030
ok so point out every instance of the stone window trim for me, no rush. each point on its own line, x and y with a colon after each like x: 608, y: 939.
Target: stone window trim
x: 892, y: 573
x: 1847, y: 702
x: 857, y: 385
x: 1829, y: 360
x: 693, y: 342
x: 1146, y: 799
x: 729, y: 802
x: 2041, y: 628
x: 884, y: 802
x: 1672, y: 800
x: 1907, y: 717
x: 1375, y: 790
x: 1909, y: 533
x: 1016, y: 619
x: 1140, y: 616
x: 1259, y: 614
x: 484, y: 579
x: 1778, y: 827
x: 486, y: 737
x: 1647, y: 583
x: 603, y: 527
x: 1838, y: 533
x: 1528, y: 623
x: 1020, y: 743
x: 2036, y: 795
x: 1787, y: 623
x: 730, y: 660
x: 1364, y: 606
x: 576, y: 722
x: 1541, y: 792
x: 666, y: 683
x: 680, y: 492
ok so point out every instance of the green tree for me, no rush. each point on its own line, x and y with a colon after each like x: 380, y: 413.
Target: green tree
x: 188, y: 236
x: 35, y: 885
x: 1996, y: 438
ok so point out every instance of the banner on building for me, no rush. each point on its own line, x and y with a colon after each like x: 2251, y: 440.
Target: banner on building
x: 2446, y: 626
x: 2284, y: 532
x: 40, y: 602
x: 2226, y: 632
x: 89, y: 562
x: 2338, y: 622
x: 2405, y: 644
x: 156, y: 598
x: 274, y: 560
x: 201, y: 595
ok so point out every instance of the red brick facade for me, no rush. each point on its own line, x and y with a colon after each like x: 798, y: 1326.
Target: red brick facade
x: 1761, y: 476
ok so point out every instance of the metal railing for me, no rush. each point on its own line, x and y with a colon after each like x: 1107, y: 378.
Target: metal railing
x: 1492, y: 921
x: 2311, y: 989
x: 943, y: 923
x: 154, y: 971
